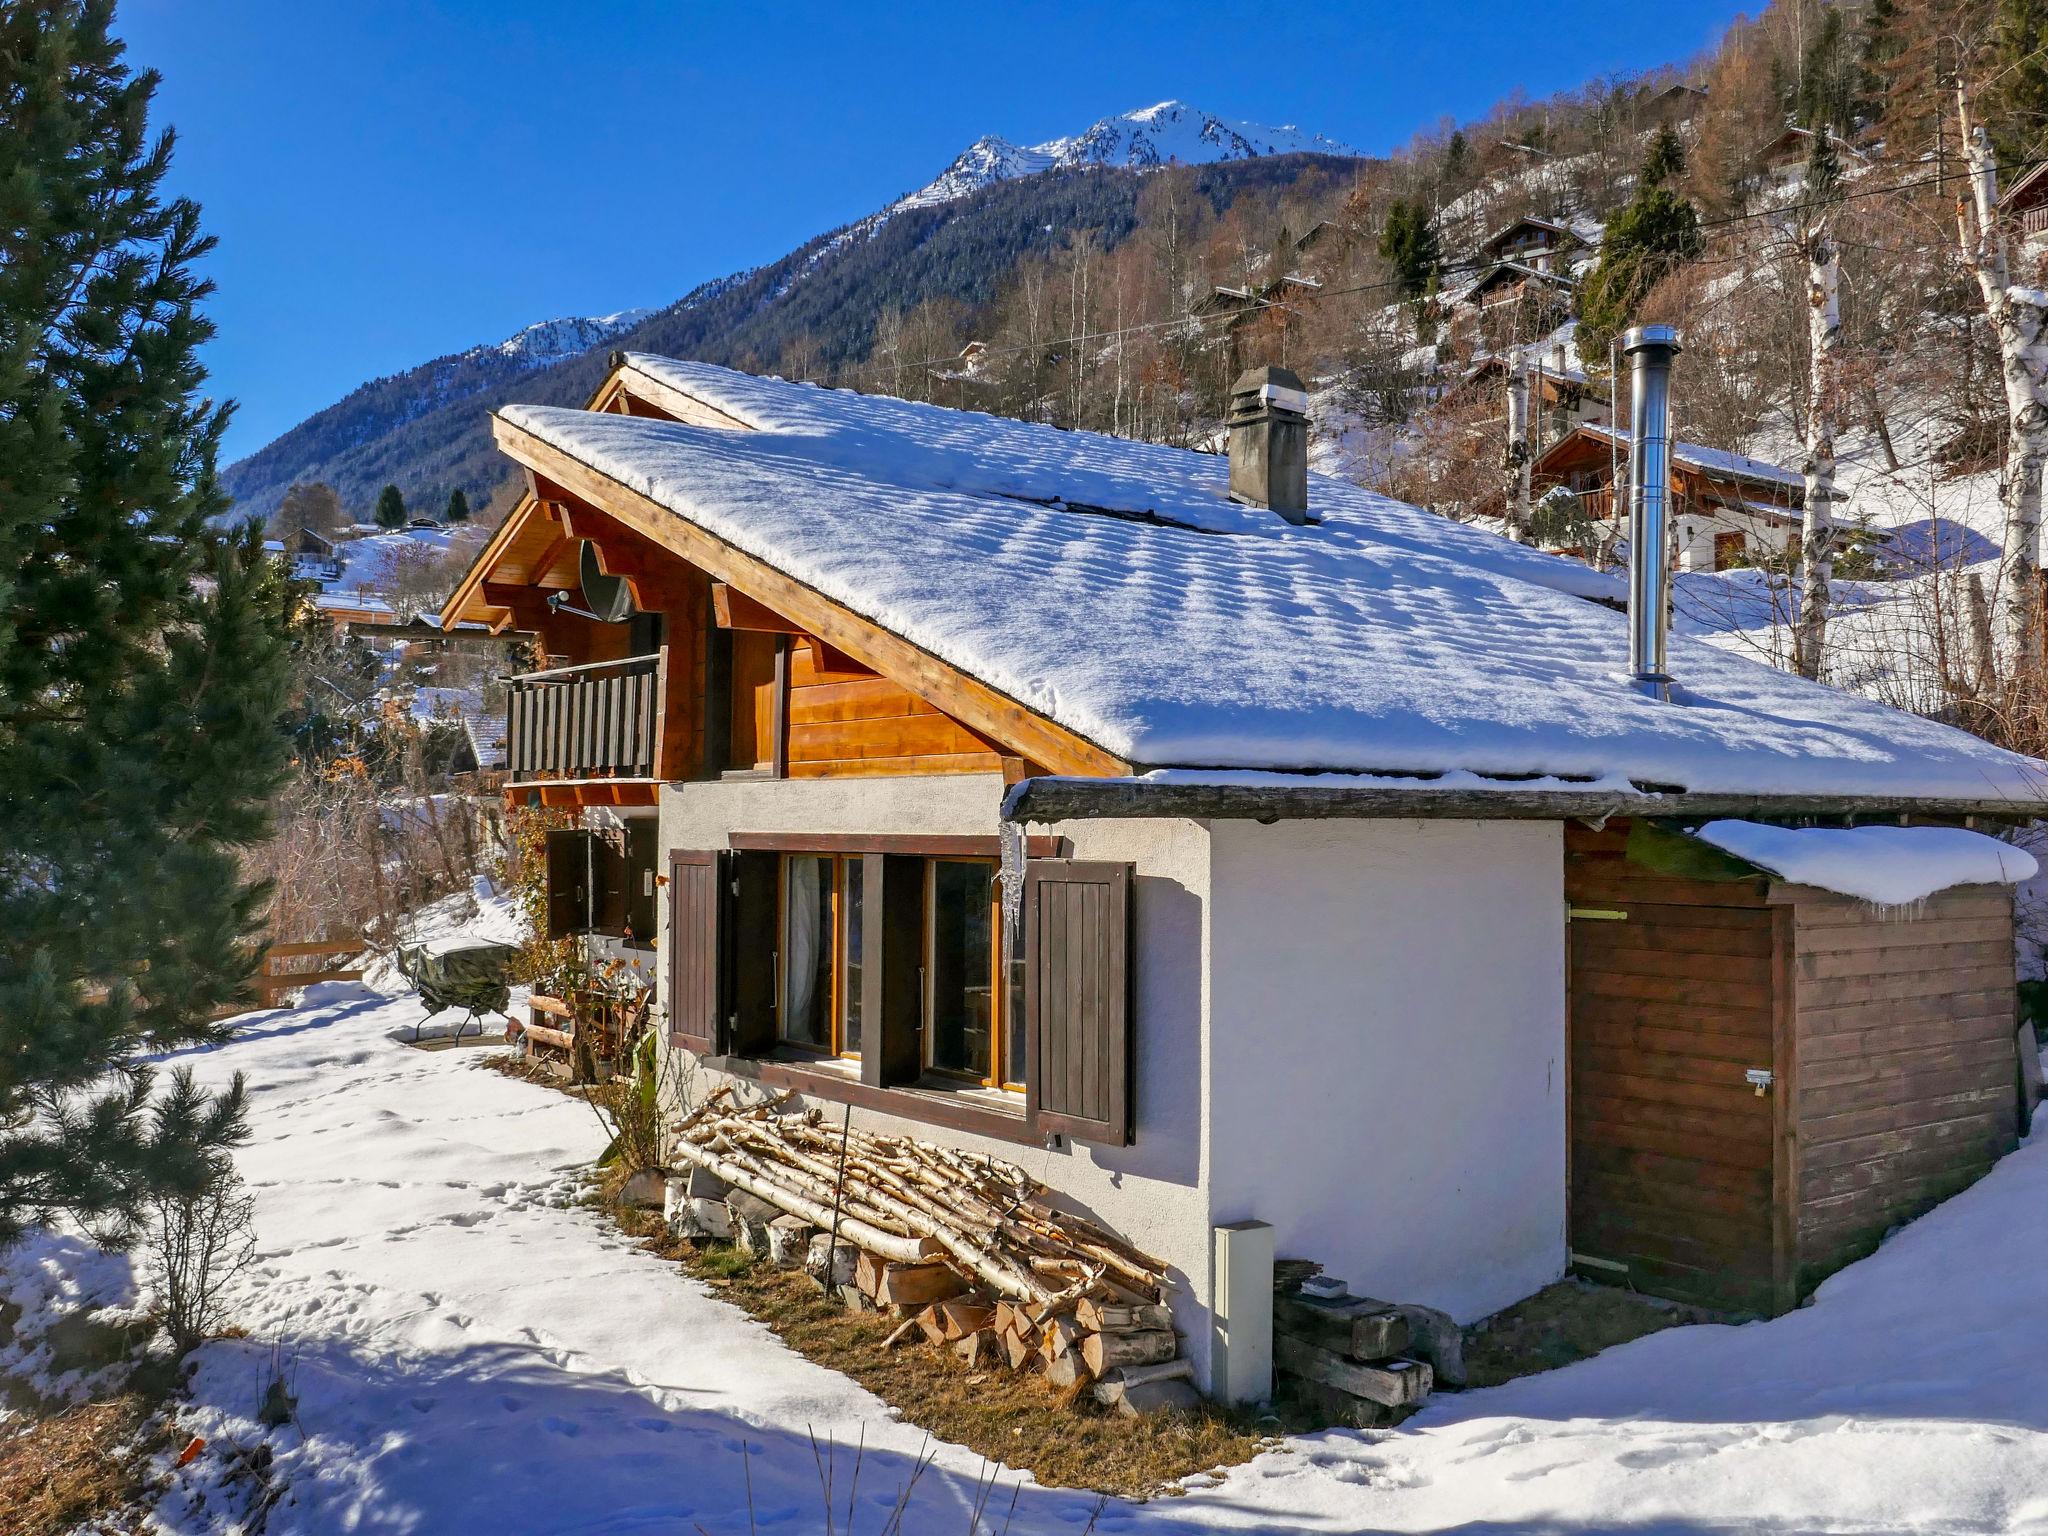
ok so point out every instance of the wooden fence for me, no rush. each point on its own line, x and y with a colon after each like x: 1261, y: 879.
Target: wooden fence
x: 272, y: 981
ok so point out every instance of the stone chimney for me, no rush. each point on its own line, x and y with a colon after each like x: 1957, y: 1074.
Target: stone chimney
x: 1268, y: 426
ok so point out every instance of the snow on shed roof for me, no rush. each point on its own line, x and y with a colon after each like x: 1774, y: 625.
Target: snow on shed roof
x: 1383, y: 640
x: 1891, y: 866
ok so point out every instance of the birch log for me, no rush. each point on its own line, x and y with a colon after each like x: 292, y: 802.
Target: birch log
x: 2019, y: 319
x: 905, y: 1250
x: 1518, y: 459
x: 1817, y: 526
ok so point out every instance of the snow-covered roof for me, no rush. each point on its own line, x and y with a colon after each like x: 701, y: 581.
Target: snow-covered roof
x: 351, y: 602
x: 1112, y: 588
x: 1891, y: 866
x: 1713, y: 461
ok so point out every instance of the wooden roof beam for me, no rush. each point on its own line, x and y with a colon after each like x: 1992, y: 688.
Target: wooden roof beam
x: 736, y: 610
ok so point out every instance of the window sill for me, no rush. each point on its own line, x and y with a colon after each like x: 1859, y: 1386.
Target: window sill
x: 956, y: 1107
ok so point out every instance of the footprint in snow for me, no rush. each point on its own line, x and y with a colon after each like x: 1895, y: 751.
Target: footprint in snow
x: 661, y: 1426
x: 565, y: 1427
x: 426, y: 1404
x: 514, y: 1404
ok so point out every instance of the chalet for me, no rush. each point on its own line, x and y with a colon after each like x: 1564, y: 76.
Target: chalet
x: 1261, y: 853
x: 1675, y: 103
x: 1728, y: 509
x: 356, y: 606
x: 1562, y: 395
x: 1787, y: 154
x: 2026, y: 203
x: 1544, y: 245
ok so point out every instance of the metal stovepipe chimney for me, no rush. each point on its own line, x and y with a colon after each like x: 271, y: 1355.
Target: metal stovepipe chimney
x: 1650, y: 349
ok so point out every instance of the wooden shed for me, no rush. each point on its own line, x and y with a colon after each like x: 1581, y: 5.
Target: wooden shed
x: 1767, y: 1077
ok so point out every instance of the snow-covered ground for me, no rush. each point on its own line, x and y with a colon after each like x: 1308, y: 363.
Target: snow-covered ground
x: 474, y: 1351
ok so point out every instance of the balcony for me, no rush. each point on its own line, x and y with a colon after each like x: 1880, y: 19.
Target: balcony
x: 2035, y: 221
x: 598, y: 722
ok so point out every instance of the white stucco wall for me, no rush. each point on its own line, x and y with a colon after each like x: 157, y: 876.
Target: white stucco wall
x: 1150, y: 1191
x: 1351, y: 1030
x: 1387, y: 1022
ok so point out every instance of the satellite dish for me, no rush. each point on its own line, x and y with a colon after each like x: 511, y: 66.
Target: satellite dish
x: 609, y: 598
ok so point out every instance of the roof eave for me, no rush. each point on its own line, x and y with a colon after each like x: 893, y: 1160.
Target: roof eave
x: 1053, y: 799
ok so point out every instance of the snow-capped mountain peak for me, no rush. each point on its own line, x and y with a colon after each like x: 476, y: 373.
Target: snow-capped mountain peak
x: 549, y: 341
x: 1166, y: 133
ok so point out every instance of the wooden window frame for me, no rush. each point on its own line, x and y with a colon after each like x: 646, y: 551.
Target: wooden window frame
x: 999, y: 1021
x: 834, y: 1048
x: 895, y: 1075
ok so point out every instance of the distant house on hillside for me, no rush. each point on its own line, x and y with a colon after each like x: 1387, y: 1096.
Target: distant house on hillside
x: 1546, y: 245
x: 1269, y: 865
x: 2025, y: 202
x: 1561, y: 394
x: 1728, y: 510
x: 1787, y: 154
x: 1674, y: 104
x: 358, y: 606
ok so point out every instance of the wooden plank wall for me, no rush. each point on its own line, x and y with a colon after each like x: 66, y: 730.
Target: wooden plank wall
x: 846, y: 720
x: 1672, y: 1152
x: 1905, y: 1085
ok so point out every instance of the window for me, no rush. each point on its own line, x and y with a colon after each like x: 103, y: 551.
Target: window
x: 787, y: 948
x: 819, y: 1007
x: 962, y: 966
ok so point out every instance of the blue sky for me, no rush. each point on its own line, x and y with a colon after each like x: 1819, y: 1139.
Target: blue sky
x: 395, y: 179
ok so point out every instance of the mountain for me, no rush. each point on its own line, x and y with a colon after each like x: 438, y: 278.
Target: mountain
x: 549, y: 341
x: 317, y: 446
x: 427, y: 429
x: 1170, y: 133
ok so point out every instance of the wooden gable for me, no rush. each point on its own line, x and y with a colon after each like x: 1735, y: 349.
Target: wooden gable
x: 760, y: 673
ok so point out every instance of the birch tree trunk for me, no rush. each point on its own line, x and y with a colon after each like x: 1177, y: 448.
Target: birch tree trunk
x: 1518, y: 460
x: 2019, y: 319
x: 1817, y: 528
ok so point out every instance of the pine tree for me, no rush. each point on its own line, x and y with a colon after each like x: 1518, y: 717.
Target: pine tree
x: 390, y: 508
x: 143, y: 668
x: 1655, y: 233
x: 2020, y: 105
x: 458, y: 508
x: 1408, y: 245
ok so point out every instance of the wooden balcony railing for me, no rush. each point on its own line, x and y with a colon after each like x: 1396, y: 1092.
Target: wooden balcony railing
x: 601, y: 719
x: 2035, y: 220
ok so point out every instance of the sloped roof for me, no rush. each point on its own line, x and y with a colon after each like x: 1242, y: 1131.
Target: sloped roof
x: 1719, y: 462
x: 1112, y: 588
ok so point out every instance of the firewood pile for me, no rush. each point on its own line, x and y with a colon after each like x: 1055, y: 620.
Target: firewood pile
x: 1356, y: 1360
x: 964, y: 1249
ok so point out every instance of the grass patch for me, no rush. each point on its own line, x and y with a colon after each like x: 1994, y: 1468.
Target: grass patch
x: 1564, y: 1323
x: 86, y: 1463
x: 1065, y: 1439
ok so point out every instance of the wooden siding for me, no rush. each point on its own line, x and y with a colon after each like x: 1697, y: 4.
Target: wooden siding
x: 1672, y: 1152
x: 1905, y: 1077
x: 846, y: 720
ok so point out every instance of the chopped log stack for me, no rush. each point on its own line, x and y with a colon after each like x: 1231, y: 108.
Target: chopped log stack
x: 1346, y: 1355
x: 964, y: 1249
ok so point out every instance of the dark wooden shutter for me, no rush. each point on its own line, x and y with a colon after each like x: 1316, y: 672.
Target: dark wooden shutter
x: 1077, y: 999
x: 569, y: 858
x: 608, y: 896
x: 894, y: 1052
x: 694, y: 904
x: 642, y: 840
x: 749, y: 949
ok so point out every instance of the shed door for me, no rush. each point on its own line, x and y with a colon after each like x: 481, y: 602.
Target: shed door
x: 1672, y: 1150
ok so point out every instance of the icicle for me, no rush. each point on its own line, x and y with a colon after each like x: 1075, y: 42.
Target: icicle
x: 1012, y: 878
